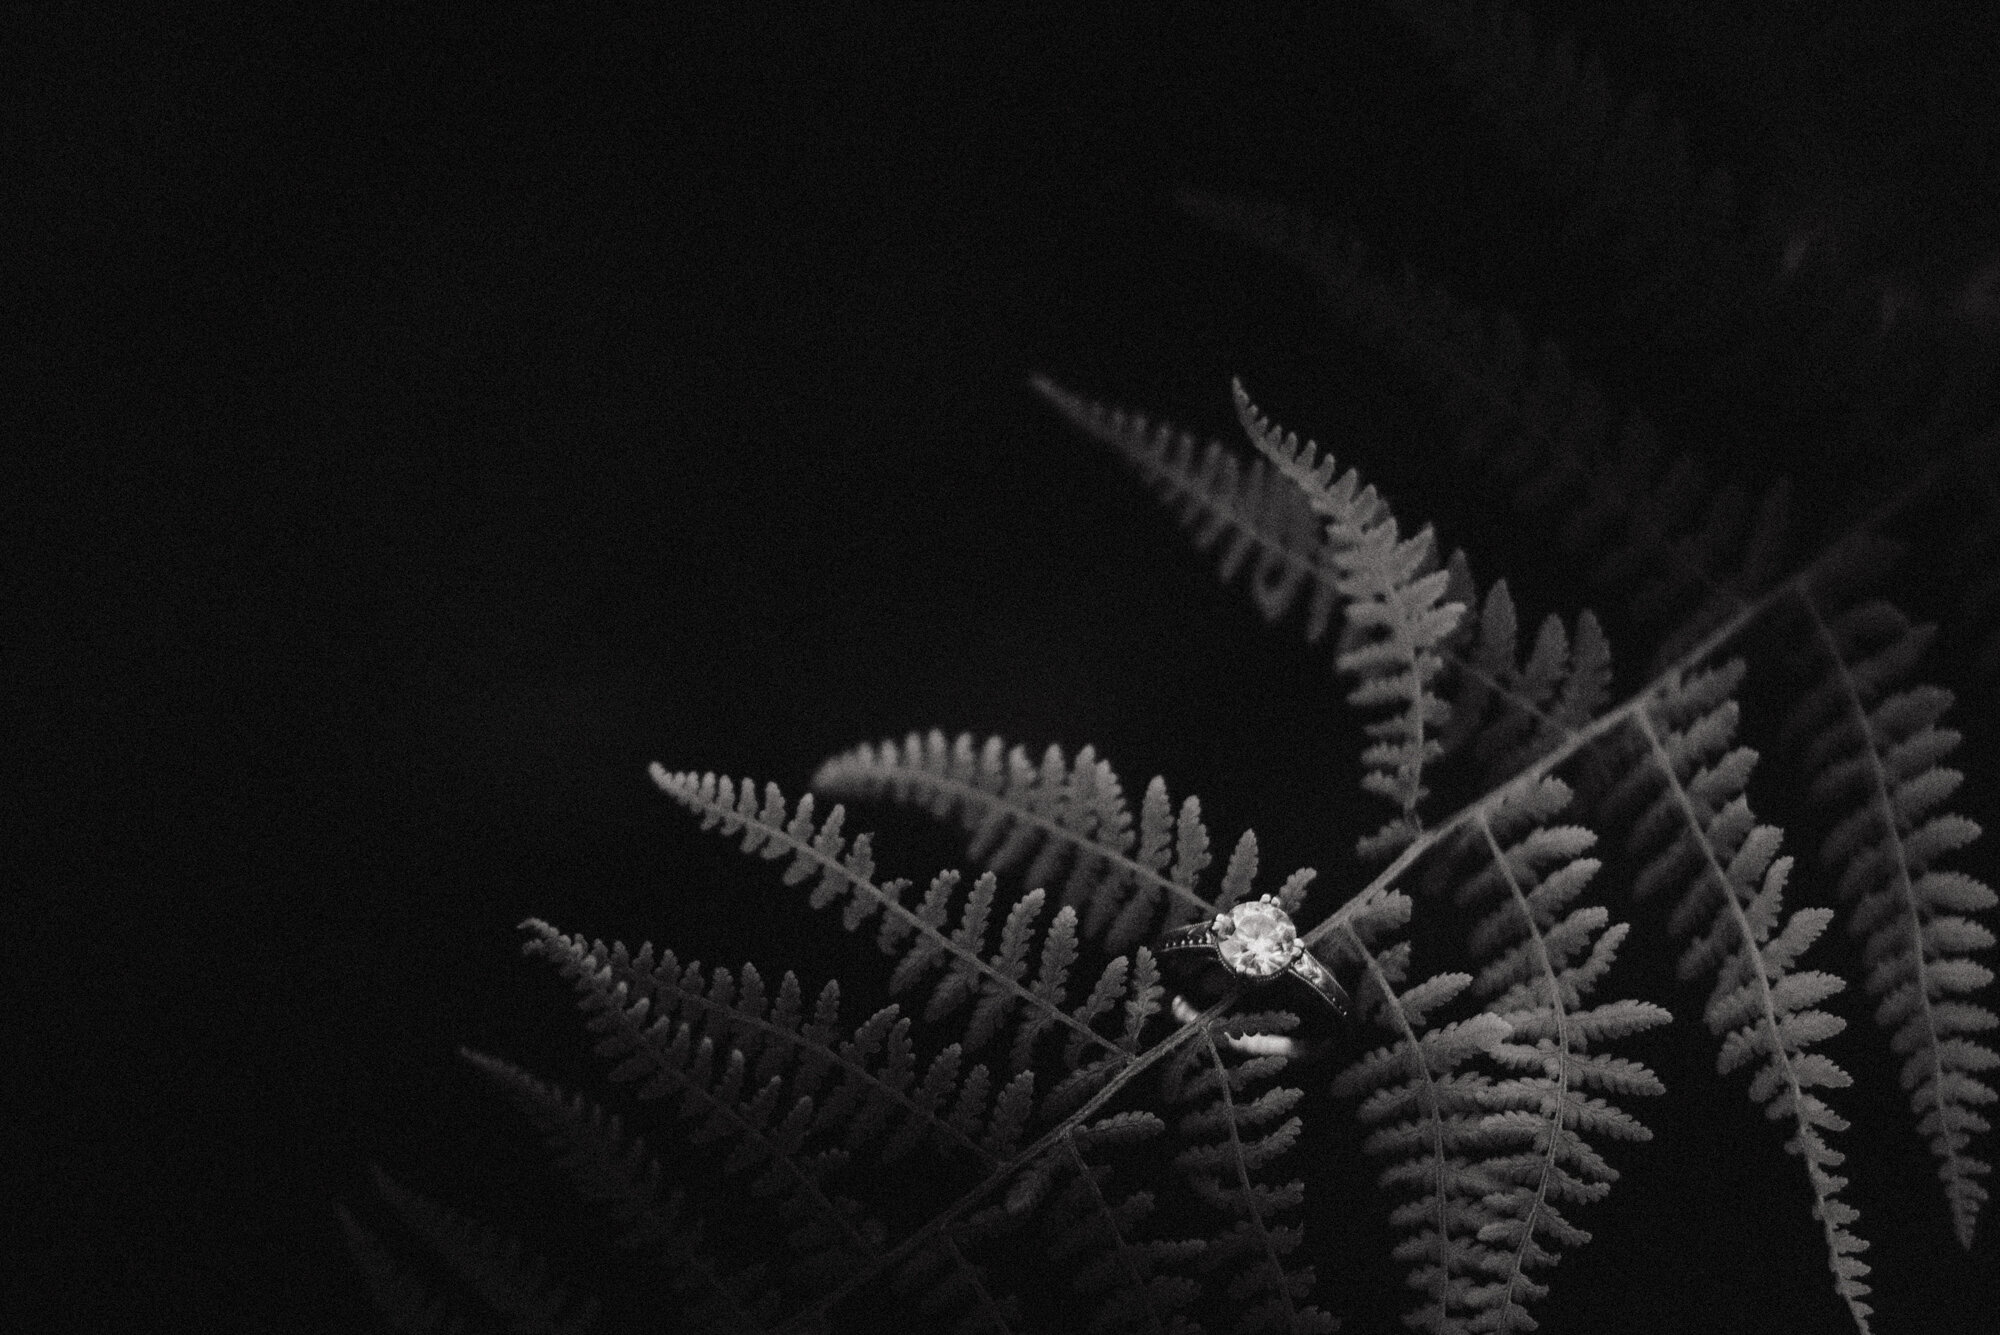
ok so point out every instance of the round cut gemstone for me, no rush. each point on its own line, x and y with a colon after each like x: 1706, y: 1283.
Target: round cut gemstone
x: 1257, y: 940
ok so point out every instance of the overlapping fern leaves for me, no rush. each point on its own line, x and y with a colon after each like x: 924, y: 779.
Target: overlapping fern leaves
x: 1701, y: 565
x: 1662, y: 768
x: 1873, y: 757
x: 1042, y: 1101
x: 1458, y: 1135
x: 1053, y: 1070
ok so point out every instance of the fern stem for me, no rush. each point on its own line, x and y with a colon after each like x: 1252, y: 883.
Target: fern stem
x: 1519, y: 1267
x: 1432, y: 1105
x: 1271, y: 1256
x: 1958, y: 1166
x: 988, y: 1306
x: 1133, y: 1276
x: 1823, y: 1191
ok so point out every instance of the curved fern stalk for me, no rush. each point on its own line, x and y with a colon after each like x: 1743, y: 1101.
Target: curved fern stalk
x: 1872, y: 751
x: 1261, y: 522
x: 1537, y: 1136
x: 1694, y: 825
x: 1396, y: 621
x: 1128, y: 886
x: 512, y: 1284
x: 618, y: 1173
x: 1233, y: 1140
x: 1428, y: 1115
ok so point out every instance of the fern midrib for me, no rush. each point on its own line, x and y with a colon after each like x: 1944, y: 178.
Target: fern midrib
x: 984, y: 1296
x: 1430, y: 1103
x: 1412, y: 663
x: 1956, y: 1164
x: 1519, y: 1266
x: 1815, y: 1174
x: 1134, y: 1279
x: 1271, y: 1256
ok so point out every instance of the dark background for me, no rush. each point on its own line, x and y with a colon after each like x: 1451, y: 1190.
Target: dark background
x: 428, y: 423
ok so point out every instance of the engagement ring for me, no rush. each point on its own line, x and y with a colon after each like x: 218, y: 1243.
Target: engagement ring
x: 1255, y: 944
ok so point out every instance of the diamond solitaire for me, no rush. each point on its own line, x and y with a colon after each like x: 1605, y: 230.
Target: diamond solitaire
x: 1256, y: 940
x: 1256, y: 944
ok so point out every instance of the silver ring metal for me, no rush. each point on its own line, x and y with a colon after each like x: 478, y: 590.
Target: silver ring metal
x: 1254, y: 943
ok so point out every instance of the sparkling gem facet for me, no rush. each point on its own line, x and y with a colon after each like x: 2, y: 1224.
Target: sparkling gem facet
x: 1256, y: 940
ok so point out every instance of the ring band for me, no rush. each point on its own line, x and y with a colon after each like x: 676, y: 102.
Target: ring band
x: 1256, y: 944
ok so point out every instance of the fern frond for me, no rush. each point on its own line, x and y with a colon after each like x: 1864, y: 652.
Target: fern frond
x: 1261, y: 522
x: 512, y: 1284
x: 1019, y: 989
x: 939, y: 1280
x: 994, y: 985
x: 1396, y: 621
x: 1546, y: 957
x: 1694, y: 825
x: 663, y: 1027
x: 864, y: 1085
x: 620, y: 1174
x: 1061, y: 816
x: 1231, y: 1141
x: 1137, y: 1282
x: 830, y: 1232
x: 1512, y: 712
x: 1428, y: 1115
x: 1872, y: 749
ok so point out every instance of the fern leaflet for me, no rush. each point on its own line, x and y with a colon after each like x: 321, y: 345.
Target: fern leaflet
x: 1873, y: 750
x: 1396, y: 618
x: 1693, y: 823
